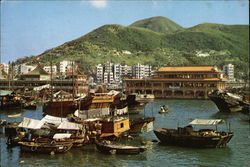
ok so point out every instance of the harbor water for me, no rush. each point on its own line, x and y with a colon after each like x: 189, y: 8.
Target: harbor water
x: 236, y: 154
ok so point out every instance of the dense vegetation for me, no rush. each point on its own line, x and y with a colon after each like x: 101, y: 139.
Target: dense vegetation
x: 157, y: 41
x: 158, y: 24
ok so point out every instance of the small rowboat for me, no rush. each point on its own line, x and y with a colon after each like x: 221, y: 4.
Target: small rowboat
x: 14, y: 115
x: 118, y: 149
x: 164, y: 109
x: 45, y: 147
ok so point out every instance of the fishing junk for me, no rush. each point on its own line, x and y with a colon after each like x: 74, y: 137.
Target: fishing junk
x: 187, y: 137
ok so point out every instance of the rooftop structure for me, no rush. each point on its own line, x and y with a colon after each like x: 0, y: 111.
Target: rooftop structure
x: 37, y: 74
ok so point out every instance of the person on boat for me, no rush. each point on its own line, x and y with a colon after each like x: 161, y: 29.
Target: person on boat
x: 164, y: 108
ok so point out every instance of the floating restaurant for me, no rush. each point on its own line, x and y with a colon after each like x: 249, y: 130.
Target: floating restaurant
x: 193, y: 82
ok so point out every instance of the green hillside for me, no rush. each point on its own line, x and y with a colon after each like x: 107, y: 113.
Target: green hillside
x: 204, y: 44
x: 158, y: 24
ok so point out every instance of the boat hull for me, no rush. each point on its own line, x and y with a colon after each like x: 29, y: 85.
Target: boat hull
x: 225, y: 106
x: 59, y: 108
x: 114, y: 149
x: 45, y: 148
x: 196, y: 141
x: 138, y: 125
x: 227, y: 102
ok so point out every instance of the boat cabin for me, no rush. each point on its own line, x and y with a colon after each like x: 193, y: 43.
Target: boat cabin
x: 114, y: 127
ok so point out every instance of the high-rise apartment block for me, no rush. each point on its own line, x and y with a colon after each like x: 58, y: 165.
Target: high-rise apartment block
x: 23, y: 68
x: 64, y: 65
x: 49, y: 68
x: 114, y: 73
x: 228, y: 70
x: 141, y: 71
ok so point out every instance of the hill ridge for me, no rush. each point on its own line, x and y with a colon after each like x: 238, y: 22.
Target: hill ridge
x: 222, y: 43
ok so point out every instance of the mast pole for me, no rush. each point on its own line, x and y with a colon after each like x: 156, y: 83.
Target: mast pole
x: 51, y: 81
x: 73, y: 86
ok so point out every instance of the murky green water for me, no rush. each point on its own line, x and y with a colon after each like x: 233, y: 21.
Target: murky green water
x: 236, y: 154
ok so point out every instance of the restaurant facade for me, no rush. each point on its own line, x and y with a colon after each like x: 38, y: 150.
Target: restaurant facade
x: 191, y: 82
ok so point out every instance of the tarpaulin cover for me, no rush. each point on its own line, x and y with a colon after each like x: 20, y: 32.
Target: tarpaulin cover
x: 113, y: 92
x: 206, y: 121
x: 122, y: 111
x: 92, y: 113
x: 69, y: 126
x: 41, y: 87
x: 31, y: 123
x: 54, y: 120
x: 61, y: 136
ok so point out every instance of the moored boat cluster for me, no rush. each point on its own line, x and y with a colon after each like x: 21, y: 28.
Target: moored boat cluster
x: 102, y: 124
x: 102, y: 117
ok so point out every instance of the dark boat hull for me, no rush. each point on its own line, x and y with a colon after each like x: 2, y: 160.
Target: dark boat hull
x: 225, y: 106
x: 45, y: 148
x: 196, y: 141
x: 65, y: 107
x: 59, y: 108
x: 227, y: 102
x: 30, y: 107
x: 138, y: 125
x: 114, y: 149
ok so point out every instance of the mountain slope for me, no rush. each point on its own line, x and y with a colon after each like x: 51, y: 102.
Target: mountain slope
x: 158, y: 24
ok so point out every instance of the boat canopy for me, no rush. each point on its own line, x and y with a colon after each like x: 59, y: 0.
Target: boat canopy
x: 61, y: 93
x: 92, y: 119
x: 113, y: 92
x: 38, y: 88
x: 206, y: 121
x: 54, y: 120
x: 6, y: 92
x: 121, y: 111
x: 69, y: 126
x: 61, y: 136
x: 31, y: 123
x: 81, y: 97
x: 92, y: 113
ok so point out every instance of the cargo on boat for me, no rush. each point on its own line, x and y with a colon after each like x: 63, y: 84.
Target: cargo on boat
x: 9, y: 100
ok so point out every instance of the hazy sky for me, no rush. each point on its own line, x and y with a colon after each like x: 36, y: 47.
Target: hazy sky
x: 31, y: 27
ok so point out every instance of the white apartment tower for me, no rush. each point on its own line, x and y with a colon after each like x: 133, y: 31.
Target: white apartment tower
x: 99, y: 73
x: 141, y: 71
x: 228, y: 70
x: 117, y: 73
x: 114, y: 73
x: 5, y: 67
x: 126, y: 71
x: 23, y: 68
x: 63, y: 65
x: 48, y: 69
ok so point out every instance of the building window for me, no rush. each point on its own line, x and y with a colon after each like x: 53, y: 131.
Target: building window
x: 122, y: 125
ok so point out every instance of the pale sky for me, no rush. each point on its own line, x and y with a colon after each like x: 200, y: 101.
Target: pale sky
x: 31, y: 27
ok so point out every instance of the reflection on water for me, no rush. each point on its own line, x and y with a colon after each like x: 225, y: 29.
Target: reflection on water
x: 236, y: 154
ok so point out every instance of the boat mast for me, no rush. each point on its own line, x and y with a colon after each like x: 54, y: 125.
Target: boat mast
x: 61, y: 97
x: 9, y: 75
x: 73, y: 86
x: 51, y: 80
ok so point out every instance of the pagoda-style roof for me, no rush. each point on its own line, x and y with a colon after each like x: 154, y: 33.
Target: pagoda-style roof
x: 189, y: 69
x: 37, y: 71
x: 178, y: 79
